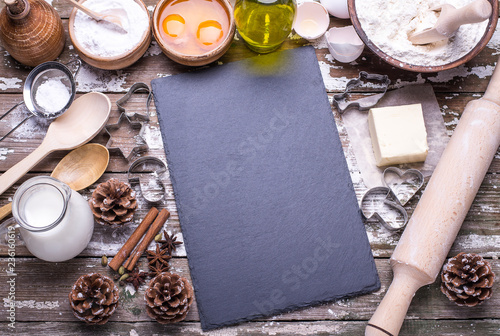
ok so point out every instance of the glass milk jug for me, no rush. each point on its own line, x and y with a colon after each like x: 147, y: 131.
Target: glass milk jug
x: 264, y: 24
x: 56, y: 222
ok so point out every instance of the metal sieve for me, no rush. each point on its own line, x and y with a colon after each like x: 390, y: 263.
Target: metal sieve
x: 39, y: 75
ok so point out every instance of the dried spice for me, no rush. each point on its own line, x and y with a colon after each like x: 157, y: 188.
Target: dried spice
x: 158, y: 268
x: 160, y: 255
x: 169, y: 243
x: 137, y: 278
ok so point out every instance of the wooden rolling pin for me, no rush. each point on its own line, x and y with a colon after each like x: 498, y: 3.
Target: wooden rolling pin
x: 433, y: 227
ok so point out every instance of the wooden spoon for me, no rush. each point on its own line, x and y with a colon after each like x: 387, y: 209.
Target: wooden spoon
x: 450, y: 19
x: 110, y: 15
x: 80, y: 123
x: 79, y: 169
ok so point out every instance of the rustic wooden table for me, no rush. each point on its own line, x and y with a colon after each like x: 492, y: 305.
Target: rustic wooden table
x: 41, y: 288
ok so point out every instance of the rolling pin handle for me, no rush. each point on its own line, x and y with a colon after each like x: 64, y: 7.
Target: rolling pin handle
x: 391, y: 312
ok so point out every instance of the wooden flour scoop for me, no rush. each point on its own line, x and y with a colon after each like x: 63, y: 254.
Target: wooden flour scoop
x: 439, y: 214
x: 450, y: 19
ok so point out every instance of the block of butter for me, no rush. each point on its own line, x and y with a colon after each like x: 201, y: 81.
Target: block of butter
x: 398, y: 134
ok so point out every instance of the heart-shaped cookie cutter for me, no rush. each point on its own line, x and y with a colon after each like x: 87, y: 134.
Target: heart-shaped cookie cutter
x: 147, y: 162
x: 403, y: 188
x: 400, y: 187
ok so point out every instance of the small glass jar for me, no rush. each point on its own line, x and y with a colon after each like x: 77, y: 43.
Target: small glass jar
x: 264, y: 24
x: 56, y: 222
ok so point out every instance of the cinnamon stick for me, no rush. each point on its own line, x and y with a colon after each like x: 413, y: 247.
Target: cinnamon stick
x: 129, y: 260
x: 133, y: 240
x: 148, y: 238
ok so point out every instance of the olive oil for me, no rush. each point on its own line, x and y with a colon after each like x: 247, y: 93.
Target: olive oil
x: 264, y: 24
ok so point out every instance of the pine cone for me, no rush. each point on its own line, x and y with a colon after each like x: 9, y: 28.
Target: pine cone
x: 467, y: 279
x: 94, y: 298
x: 168, y: 298
x: 113, y: 202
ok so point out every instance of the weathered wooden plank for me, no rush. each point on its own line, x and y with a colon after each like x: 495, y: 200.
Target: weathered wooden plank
x: 39, y: 297
x: 322, y: 328
x: 466, y: 78
x: 480, y: 232
x: 24, y: 140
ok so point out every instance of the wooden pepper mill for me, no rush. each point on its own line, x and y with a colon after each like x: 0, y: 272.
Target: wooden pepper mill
x: 31, y: 31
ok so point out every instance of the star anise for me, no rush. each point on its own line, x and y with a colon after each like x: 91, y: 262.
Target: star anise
x: 160, y: 255
x: 136, y: 278
x: 169, y: 243
x: 158, y: 268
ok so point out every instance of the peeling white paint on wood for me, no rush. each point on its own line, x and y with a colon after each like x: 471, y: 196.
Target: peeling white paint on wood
x: 32, y: 304
x: 153, y: 50
x: 10, y: 83
x: 4, y: 152
x: 92, y: 79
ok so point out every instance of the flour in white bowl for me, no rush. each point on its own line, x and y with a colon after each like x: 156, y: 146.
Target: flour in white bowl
x: 104, y: 39
x: 388, y: 23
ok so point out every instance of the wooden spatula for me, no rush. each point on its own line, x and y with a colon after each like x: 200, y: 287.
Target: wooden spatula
x: 450, y: 19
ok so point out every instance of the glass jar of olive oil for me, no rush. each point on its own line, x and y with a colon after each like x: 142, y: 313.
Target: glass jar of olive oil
x: 264, y: 24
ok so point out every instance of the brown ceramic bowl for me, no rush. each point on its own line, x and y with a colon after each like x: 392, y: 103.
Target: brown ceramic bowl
x: 116, y: 62
x: 193, y: 60
x: 419, y: 68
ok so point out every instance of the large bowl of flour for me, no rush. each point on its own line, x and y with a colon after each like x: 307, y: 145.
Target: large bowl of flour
x: 384, y: 26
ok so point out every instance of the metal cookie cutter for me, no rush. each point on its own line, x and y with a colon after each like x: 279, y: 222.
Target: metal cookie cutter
x: 385, y: 204
x: 136, y: 87
x: 152, y: 166
x: 117, y: 143
x: 382, y: 199
x: 404, y: 184
x: 341, y: 102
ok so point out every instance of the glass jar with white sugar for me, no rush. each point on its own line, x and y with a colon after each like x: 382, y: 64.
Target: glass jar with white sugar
x: 56, y: 222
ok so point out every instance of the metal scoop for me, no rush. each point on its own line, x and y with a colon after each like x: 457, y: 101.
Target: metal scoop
x: 450, y: 19
x: 39, y: 75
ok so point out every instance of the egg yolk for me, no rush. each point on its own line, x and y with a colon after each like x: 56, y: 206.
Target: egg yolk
x: 209, y: 32
x: 173, y: 25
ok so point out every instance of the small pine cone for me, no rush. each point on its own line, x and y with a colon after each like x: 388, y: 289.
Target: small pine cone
x: 168, y: 298
x: 94, y: 298
x: 113, y: 203
x: 467, y: 279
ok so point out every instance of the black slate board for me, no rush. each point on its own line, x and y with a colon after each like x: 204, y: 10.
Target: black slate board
x: 269, y: 215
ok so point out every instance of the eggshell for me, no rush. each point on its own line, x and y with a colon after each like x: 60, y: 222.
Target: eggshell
x: 311, y: 20
x: 336, y: 8
x: 344, y: 44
